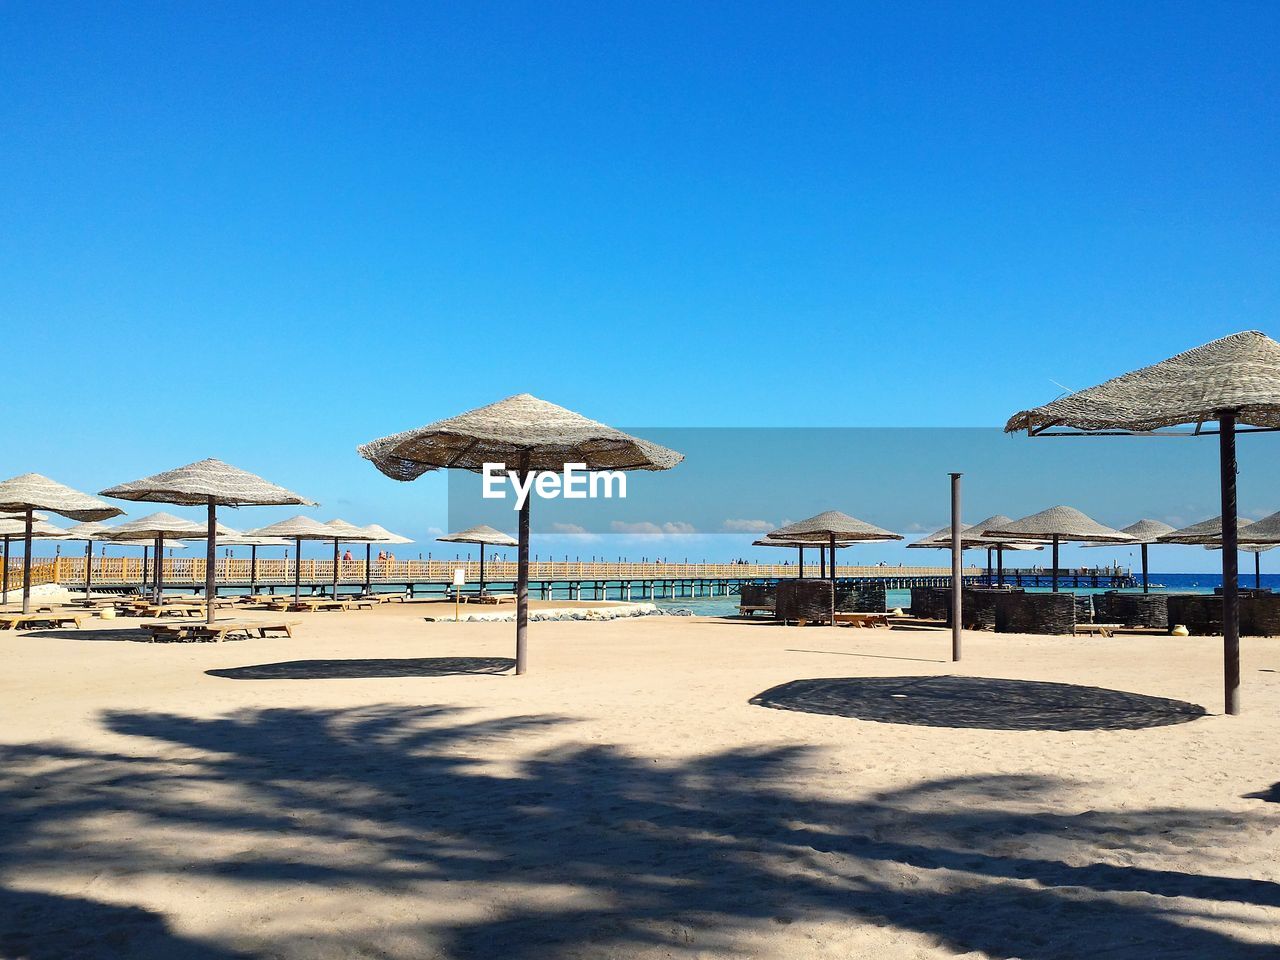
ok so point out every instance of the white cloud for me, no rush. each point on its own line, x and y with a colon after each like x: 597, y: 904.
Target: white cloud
x: 647, y: 528
x: 748, y: 526
x: 567, y: 528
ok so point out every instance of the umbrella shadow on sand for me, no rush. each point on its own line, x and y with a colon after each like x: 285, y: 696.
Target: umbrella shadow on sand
x: 367, y: 669
x: 978, y: 703
x: 393, y: 808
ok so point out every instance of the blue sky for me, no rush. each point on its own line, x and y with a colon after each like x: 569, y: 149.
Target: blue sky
x: 271, y: 232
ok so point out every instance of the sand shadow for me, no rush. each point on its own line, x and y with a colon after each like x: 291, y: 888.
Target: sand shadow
x: 871, y: 656
x: 1270, y: 795
x: 372, y: 669
x: 978, y: 703
x: 125, y: 634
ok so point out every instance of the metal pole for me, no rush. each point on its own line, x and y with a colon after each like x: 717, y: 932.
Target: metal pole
x: 26, y: 566
x: 1054, y: 577
x: 989, y: 549
x: 368, y: 570
x: 957, y: 567
x: 1257, y: 570
x: 88, y: 568
x: 833, y: 578
x: 1000, y: 564
x: 335, y: 568
x: 253, y: 568
x: 482, y: 568
x: 4, y: 590
x: 822, y: 564
x: 158, y: 580
x: 297, y: 571
x: 146, y: 552
x: 1145, y: 587
x: 1230, y: 568
x: 801, y: 577
x: 522, y: 579
x: 211, y: 562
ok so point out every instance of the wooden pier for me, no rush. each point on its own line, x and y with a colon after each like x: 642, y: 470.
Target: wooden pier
x: 573, y: 580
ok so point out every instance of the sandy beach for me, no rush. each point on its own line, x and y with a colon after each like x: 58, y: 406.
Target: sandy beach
x: 377, y: 786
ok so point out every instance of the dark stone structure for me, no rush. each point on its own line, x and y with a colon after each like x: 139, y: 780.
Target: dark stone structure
x: 808, y: 600
x: 1051, y: 613
x: 1132, y: 609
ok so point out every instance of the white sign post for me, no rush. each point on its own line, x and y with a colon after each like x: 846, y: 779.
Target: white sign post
x: 459, y: 581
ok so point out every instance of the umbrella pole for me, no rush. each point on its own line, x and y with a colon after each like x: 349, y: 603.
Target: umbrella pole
x: 253, y: 569
x: 335, y: 569
x: 146, y: 552
x: 4, y: 589
x: 211, y: 562
x: 801, y: 563
x: 833, y: 578
x: 158, y: 580
x: 1054, y: 578
x: 957, y: 568
x: 1145, y: 587
x: 88, y: 568
x: 26, y: 566
x: 1000, y: 565
x: 522, y: 581
x: 822, y: 564
x: 1257, y: 571
x: 297, y: 571
x: 1230, y: 564
x: 482, y: 568
x: 368, y: 570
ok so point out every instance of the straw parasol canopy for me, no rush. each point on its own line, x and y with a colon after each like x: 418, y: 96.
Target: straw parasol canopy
x: 381, y: 535
x: 10, y: 527
x: 1206, y: 531
x: 974, y: 537
x: 88, y: 532
x: 297, y: 529
x: 483, y: 535
x: 1145, y: 532
x: 350, y: 533
x: 209, y: 483
x: 799, y: 545
x: 830, y: 528
x: 156, y: 527
x: 1058, y: 524
x: 525, y: 434
x: 384, y: 535
x: 1234, y: 380
x: 30, y: 492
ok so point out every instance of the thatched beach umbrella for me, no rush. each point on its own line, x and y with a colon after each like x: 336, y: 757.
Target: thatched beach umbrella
x: 1257, y: 549
x: 229, y: 537
x: 798, y: 545
x: 832, y: 528
x: 1145, y: 532
x: 297, y: 529
x: 156, y: 527
x: 88, y: 532
x: 382, y: 535
x: 528, y: 435
x: 210, y: 484
x: 31, y: 492
x: 11, y: 527
x: 975, y: 536
x: 1251, y: 537
x: 482, y: 534
x: 348, y: 533
x: 1058, y: 524
x: 1234, y: 381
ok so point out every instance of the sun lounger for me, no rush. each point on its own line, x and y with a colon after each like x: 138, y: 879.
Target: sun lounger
x: 844, y: 619
x: 750, y: 609
x: 1100, y: 629
x: 490, y: 598
x: 221, y: 630
x: 48, y: 618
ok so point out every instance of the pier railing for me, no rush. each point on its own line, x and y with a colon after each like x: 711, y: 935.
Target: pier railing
x: 189, y: 571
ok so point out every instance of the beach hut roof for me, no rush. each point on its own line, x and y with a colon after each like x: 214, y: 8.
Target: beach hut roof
x: 1240, y: 372
x: 32, y: 491
x: 820, y: 528
x: 481, y: 534
x: 41, y: 529
x: 386, y: 536
x: 295, y: 528
x: 509, y: 431
x: 156, y: 525
x: 197, y: 484
x: 349, y: 532
x: 1065, y: 523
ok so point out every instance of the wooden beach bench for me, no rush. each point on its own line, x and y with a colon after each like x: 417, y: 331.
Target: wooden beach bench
x: 47, y: 618
x: 844, y: 619
x: 1097, y: 629
x: 494, y: 598
x: 220, y: 630
x: 750, y: 609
